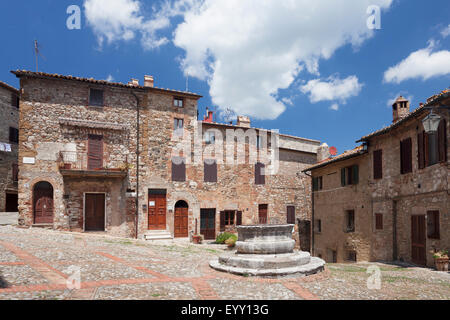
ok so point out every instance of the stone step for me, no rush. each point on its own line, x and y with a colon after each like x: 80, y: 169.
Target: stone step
x: 43, y: 225
x: 157, y: 235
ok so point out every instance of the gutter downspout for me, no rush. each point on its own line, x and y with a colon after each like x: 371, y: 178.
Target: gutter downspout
x: 138, y: 152
x: 312, y: 216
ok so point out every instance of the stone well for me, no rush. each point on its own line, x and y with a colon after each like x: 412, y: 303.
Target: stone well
x: 267, y: 251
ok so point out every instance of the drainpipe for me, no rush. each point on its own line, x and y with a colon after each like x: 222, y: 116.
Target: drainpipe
x: 312, y: 216
x: 138, y: 152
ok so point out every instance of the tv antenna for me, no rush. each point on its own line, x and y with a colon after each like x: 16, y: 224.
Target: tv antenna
x: 37, y: 52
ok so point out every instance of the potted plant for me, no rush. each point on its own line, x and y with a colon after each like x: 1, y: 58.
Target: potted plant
x: 197, y: 238
x: 441, y: 260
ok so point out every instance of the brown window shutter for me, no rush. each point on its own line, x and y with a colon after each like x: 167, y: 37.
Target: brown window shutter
x: 406, y: 155
x: 260, y: 178
x: 210, y: 171
x: 95, y: 152
x: 222, y: 221
x: 379, y: 221
x: 291, y: 215
x: 15, y: 172
x: 421, y: 150
x: 426, y: 156
x: 13, y: 135
x: 378, y: 164
x: 239, y: 218
x: 442, y: 141
x: 178, y: 169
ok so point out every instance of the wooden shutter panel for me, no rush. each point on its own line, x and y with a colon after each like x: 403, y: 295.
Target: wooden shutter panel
x: 343, y: 177
x: 178, y: 170
x: 355, y: 174
x: 15, y: 172
x: 239, y: 218
x: 406, y: 155
x: 421, y: 150
x: 378, y: 164
x: 290, y: 215
x: 259, y: 176
x: 210, y: 171
x: 222, y: 221
x: 379, y: 221
x: 95, y: 152
x: 442, y: 141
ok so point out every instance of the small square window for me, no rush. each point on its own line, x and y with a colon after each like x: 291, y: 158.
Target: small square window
x: 96, y: 98
x: 178, y: 102
x: 351, y: 256
x: 379, y: 221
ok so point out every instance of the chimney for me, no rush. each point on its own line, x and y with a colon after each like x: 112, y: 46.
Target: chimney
x: 149, y: 81
x: 323, y: 152
x: 133, y: 82
x: 209, y: 116
x: 400, y: 109
x: 243, y: 121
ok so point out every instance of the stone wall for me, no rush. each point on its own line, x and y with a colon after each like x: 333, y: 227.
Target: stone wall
x: 44, y: 135
x: 9, y: 118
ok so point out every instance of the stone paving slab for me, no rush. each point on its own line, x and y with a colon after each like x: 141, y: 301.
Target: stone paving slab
x: 35, y: 263
x: 8, y: 218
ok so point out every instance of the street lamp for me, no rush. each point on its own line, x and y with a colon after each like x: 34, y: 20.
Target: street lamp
x: 431, y: 122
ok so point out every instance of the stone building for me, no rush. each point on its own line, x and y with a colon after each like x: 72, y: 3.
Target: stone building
x: 78, y: 165
x: 9, y: 125
x: 387, y: 199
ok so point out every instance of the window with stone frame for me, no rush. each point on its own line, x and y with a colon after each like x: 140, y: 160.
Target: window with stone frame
x: 350, y: 175
x: 178, y: 102
x: 432, y: 147
x: 318, y: 225
x: 210, y: 170
x: 259, y: 142
x: 96, y: 97
x: 15, y: 100
x: 210, y: 137
x: 178, y: 127
x: 260, y: 177
x: 317, y: 183
x: 433, y: 231
x: 350, y: 221
x: 290, y: 215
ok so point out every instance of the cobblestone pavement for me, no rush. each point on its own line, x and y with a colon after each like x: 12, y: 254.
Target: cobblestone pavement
x: 38, y: 264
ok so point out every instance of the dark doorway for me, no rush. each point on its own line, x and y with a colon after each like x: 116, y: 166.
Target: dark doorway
x: 157, y: 210
x: 418, y: 240
x: 181, y: 229
x: 12, y: 202
x: 208, y: 223
x: 94, y: 212
x: 262, y: 213
x: 43, y: 203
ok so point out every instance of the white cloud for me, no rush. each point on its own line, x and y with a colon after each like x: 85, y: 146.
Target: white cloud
x: 423, y: 63
x: 332, y: 89
x: 249, y: 50
x: 446, y: 32
x: 122, y: 20
x: 334, y: 107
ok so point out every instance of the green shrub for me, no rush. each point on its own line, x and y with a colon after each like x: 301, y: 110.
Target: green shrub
x: 231, y: 241
x: 224, y: 236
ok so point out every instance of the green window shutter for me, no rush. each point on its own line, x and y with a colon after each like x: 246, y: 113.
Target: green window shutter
x: 315, y: 184
x: 355, y: 174
x: 343, y: 177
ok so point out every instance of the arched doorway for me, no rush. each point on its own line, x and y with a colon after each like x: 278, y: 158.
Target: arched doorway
x: 43, y: 202
x: 181, y: 219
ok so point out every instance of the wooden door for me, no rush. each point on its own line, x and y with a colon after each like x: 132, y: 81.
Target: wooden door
x: 418, y: 240
x: 157, y: 212
x: 262, y: 213
x: 95, y: 152
x: 181, y: 223
x: 43, y: 203
x: 208, y: 223
x: 94, y: 212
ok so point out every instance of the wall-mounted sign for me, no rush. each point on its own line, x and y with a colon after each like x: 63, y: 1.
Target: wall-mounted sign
x: 151, y: 203
x: 29, y: 160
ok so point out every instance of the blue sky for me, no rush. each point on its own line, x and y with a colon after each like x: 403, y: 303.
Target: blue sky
x: 163, y: 39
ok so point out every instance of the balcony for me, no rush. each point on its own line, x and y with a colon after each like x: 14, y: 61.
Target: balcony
x: 74, y: 164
